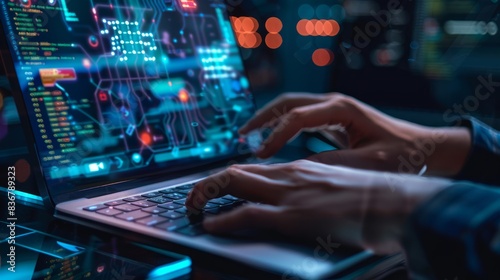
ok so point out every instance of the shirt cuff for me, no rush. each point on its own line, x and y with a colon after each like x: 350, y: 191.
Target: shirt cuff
x: 443, y: 236
x: 484, y: 158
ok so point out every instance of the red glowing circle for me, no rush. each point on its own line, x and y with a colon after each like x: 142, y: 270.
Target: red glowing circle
x: 274, y: 25
x: 183, y: 96
x: 146, y: 138
x: 274, y: 41
x: 322, y: 57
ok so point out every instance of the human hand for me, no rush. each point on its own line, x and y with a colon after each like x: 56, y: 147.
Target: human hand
x: 306, y: 199
x: 372, y: 139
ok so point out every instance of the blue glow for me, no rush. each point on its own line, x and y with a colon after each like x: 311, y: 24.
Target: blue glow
x: 306, y: 11
x: 69, y: 247
x: 136, y: 158
x: 163, y: 271
x: 244, y: 83
x: 26, y: 196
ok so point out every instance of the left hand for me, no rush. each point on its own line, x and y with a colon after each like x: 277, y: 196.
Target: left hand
x: 308, y: 199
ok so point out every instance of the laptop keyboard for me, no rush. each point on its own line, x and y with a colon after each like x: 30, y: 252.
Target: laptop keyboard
x: 165, y: 210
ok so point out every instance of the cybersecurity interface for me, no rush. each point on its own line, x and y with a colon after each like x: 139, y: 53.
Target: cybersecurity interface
x: 115, y: 87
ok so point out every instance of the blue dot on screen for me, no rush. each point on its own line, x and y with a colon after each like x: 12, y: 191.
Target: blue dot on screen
x: 306, y: 11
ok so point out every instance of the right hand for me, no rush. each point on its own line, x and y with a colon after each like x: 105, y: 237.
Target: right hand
x: 372, y: 139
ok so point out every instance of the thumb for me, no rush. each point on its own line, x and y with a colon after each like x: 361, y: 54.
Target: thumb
x: 250, y: 216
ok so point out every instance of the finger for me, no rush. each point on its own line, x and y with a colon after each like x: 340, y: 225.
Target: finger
x: 362, y: 158
x: 250, y: 216
x: 235, y: 180
x: 277, y: 108
x: 304, y: 117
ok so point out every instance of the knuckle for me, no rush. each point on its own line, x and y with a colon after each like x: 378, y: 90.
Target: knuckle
x: 234, y: 170
x: 297, y: 165
x: 286, y: 96
x: 296, y: 113
x: 341, y: 99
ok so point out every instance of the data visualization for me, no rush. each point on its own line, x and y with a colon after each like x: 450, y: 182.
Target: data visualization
x: 123, y: 87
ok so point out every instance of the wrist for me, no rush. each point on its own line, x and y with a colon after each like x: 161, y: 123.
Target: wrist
x: 391, y: 203
x: 446, y: 150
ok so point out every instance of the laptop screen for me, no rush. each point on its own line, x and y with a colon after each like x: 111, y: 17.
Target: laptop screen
x: 120, y: 88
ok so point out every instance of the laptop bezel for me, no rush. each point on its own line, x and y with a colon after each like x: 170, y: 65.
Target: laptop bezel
x: 51, y: 199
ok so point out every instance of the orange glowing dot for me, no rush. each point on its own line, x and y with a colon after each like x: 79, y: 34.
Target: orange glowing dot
x: 318, y: 27
x: 146, y: 138
x: 301, y: 27
x: 251, y: 40
x: 273, y: 41
x: 237, y: 24
x: 249, y: 24
x: 183, y: 95
x: 310, y: 27
x: 255, y: 24
x: 336, y: 28
x: 322, y: 57
x: 327, y: 28
x: 274, y: 25
x: 242, y: 40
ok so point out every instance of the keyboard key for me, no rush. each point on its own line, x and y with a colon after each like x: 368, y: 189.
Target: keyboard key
x: 151, y: 194
x: 167, y: 191
x: 144, y: 203
x: 210, y: 205
x: 221, y: 201
x: 170, y: 206
x: 134, y: 198
x: 109, y: 212
x: 94, y: 208
x: 160, y: 200
x: 115, y: 203
x: 154, y: 210
x: 180, y: 201
x: 127, y: 207
x: 174, y: 196
x: 186, y: 187
x: 151, y: 221
x: 230, y: 197
x: 185, y: 192
x: 173, y: 225
x: 182, y: 210
x: 172, y: 215
x: 131, y: 216
x: 192, y: 230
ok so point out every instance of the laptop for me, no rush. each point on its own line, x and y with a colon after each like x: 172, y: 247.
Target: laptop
x: 128, y: 103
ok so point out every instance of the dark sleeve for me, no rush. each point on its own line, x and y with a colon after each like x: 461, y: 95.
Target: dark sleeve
x: 455, y: 235
x: 483, y: 163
